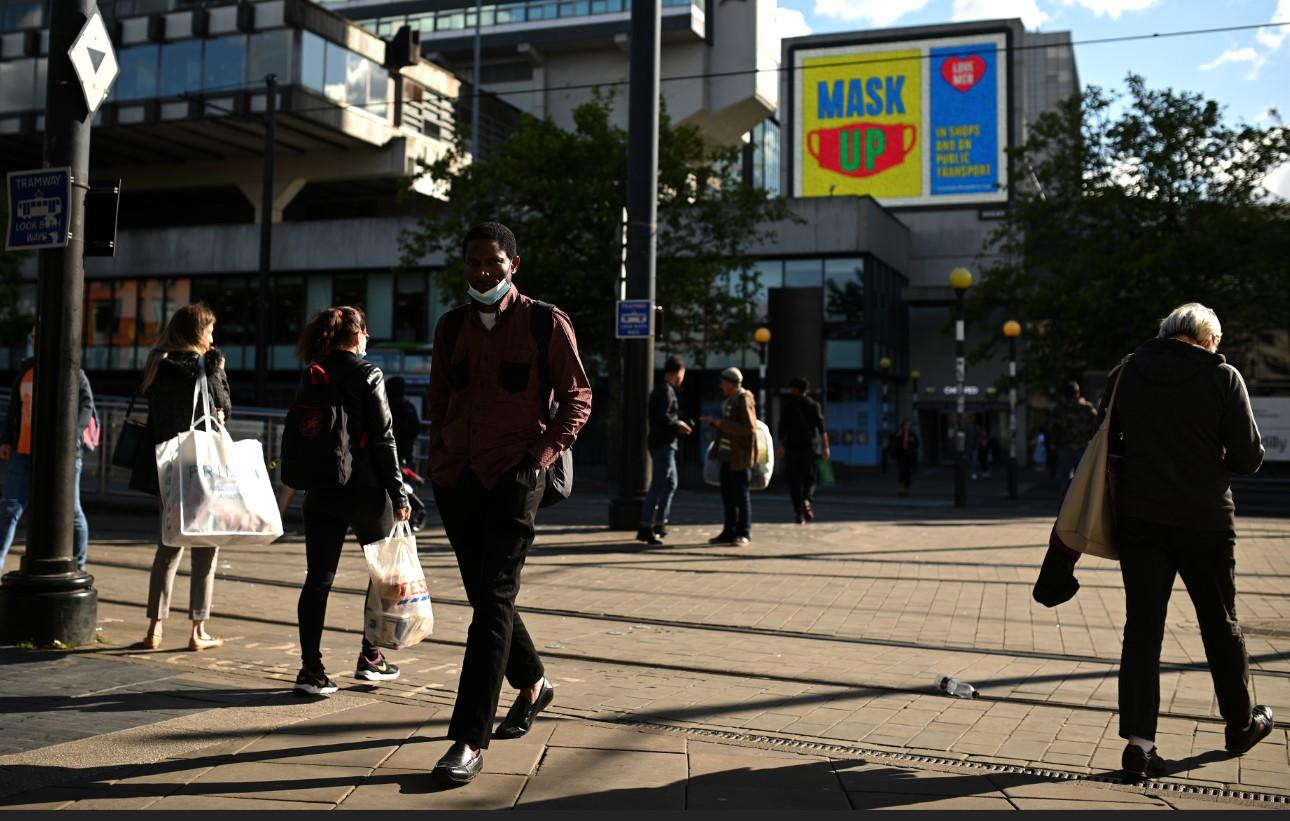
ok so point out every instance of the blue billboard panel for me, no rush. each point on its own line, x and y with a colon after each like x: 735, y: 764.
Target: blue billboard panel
x: 965, y: 120
x: 39, y: 202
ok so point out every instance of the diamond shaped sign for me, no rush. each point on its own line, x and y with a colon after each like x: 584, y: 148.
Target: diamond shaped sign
x: 94, y: 59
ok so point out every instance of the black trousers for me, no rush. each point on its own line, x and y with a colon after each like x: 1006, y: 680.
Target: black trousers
x: 491, y: 530
x: 329, y: 515
x: 802, y: 474
x: 904, y: 468
x: 736, y: 499
x: 1151, y: 555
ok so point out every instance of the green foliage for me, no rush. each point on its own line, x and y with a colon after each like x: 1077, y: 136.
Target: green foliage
x: 1119, y: 218
x: 563, y: 192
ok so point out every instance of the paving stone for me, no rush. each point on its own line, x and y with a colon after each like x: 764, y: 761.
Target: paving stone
x: 865, y: 777
x: 730, y: 778
x: 613, y: 738
x: 317, y: 749
x: 605, y: 779
x: 50, y: 798
x: 395, y: 790
x: 1017, y: 786
x: 271, y: 780
x: 914, y: 801
x: 174, y: 803
x: 1053, y: 804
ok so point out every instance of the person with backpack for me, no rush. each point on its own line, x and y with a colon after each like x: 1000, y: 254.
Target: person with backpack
x: 15, y: 448
x: 338, y: 444
x: 495, y: 450
x: 176, y: 363
x: 736, y: 451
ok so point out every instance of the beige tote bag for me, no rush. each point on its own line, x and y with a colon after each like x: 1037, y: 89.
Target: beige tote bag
x: 1086, y: 521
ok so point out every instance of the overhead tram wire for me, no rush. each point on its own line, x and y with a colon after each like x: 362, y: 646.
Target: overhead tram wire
x: 741, y: 72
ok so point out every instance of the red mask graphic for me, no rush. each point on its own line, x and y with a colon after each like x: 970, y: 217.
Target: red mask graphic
x: 963, y: 72
x: 862, y: 149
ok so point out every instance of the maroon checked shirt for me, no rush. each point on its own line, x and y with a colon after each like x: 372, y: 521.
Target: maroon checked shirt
x: 486, y: 407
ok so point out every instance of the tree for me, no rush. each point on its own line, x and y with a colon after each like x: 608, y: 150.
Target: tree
x: 563, y: 192
x: 1122, y: 217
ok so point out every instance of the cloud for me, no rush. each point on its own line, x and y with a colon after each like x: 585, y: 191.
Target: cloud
x: 1277, y: 182
x: 1272, y: 38
x: 874, y: 12
x: 1027, y: 10
x: 1112, y: 8
x: 1234, y: 55
x: 790, y: 23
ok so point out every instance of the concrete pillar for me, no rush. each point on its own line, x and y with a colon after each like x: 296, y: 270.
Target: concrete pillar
x: 284, y: 191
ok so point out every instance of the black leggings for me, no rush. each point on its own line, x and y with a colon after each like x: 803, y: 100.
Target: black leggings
x: 329, y: 515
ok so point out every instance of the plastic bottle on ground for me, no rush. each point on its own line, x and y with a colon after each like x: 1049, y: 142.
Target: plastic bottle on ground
x: 953, y: 687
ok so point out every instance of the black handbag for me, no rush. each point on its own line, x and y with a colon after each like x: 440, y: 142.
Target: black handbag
x: 130, y: 440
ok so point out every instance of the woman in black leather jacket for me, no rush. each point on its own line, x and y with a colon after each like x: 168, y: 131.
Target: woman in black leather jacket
x: 176, y: 363
x: 370, y: 502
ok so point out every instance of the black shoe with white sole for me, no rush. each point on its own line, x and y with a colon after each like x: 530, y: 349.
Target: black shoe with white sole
x: 314, y: 683
x: 377, y: 669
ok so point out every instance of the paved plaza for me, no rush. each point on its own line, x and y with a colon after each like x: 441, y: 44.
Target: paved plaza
x: 795, y: 673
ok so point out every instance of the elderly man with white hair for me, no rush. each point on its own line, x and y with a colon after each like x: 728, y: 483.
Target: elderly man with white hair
x: 1182, y: 426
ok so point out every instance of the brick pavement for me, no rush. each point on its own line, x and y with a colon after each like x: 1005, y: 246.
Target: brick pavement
x: 828, y: 635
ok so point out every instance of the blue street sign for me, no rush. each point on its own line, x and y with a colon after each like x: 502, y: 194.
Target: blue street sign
x: 39, y: 202
x: 635, y: 319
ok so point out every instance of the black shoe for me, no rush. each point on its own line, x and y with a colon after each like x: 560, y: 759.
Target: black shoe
x: 721, y: 538
x: 310, y: 683
x: 660, y: 531
x: 1138, y: 764
x: 647, y: 536
x: 520, y: 717
x: 458, y: 766
x: 1240, y: 741
x: 377, y: 669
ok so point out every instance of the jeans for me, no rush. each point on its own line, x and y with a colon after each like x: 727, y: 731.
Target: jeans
x: 1151, y: 555
x: 491, y: 531
x: 802, y: 472
x: 662, y: 486
x: 737, y: 501
x: 17, y: 492
x: 329, y: 514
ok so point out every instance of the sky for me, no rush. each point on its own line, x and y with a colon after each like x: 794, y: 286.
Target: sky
x: 1247, y: 72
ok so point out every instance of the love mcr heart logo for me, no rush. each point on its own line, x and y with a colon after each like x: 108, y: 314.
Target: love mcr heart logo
x: 963, y: 72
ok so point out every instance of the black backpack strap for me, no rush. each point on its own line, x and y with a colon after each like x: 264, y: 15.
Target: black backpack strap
x: 542, y: 325
x: 452, y: 322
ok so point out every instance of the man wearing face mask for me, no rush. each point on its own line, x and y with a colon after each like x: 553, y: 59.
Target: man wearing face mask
x: 492, y: 440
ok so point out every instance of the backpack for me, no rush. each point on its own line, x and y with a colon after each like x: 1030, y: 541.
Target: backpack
x: 315, y: 436
x: 559, y: 479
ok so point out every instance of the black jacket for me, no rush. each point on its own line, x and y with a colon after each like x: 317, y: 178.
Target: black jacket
x: 801, y: 425
x: 171, y: 409
x: 371, y: 426
x: 12, y: 428
x: 1182, y: 421
x: 664, y: 414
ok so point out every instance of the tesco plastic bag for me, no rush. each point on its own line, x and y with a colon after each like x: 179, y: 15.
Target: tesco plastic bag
x: 397, y: 613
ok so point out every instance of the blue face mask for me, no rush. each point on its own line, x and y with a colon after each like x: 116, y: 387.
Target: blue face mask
x: 493, y: 295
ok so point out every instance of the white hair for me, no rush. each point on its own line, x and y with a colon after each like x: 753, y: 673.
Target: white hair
x: 1194, y: 320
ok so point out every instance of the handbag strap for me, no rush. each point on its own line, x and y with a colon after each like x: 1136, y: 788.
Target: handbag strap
x: 201, y: 389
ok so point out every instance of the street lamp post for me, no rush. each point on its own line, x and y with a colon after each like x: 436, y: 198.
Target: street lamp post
x: 960, y: 281
x: 1012, y: 330
x: 884, y: 368
x: 762, y: 337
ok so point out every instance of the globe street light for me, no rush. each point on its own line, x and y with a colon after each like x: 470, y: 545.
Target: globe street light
x: 960, y: 281
x: 1012, y: 330
x: 762, y: 337
x: 884, y: 368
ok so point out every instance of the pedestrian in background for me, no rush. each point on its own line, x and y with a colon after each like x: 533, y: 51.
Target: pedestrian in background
x: 175, y: 365
x: 498, y: 362
x: 1073, y: 421
x: 665, y: 425
x: 736, y: 442
x: 1181, y: 427
x: 983, y: 454
x: 903, y: 446
x: 407, y: 422
x: 370, y: 502
x: 15, y: 448
x: 803, y: 441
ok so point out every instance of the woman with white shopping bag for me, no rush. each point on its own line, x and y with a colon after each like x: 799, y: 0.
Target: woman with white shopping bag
x: 174, y: 370
x: 339, y: 446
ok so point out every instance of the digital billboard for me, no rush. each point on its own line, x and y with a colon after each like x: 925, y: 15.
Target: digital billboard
x: 920, y: 122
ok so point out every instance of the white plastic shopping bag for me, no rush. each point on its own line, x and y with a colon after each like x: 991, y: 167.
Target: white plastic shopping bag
x: 214, y: 491
x: 763, y: 467
x: 398, y: 613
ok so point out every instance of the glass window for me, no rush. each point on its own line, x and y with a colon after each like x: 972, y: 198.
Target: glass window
x: 124, y: 326
x: 152, y: 311
x: 844, y: 298
x: 138, y: 77
x: 349, y: 290
x: 378, y: 88
x: 181, y: 67
x: 312, y: 59
x: 269, y: 52
x: 542, y: 11
x: 450, y: 21
x: 23, y: 14
x: 18, y: 85
x: 288, y: 318
x: 357, y: 75
x: 577, y: 8
x: 510, y: 13
x: 225, y: 66
x: 419, y: 22
x: 334, y: 80
x: 233, y: 302
x: 410, y: 308
x: 99, y: 313
x: 802, y: 273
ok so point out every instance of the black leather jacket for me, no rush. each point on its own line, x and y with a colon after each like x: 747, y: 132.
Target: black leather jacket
x: 371, y: 426
x: 170, y: 406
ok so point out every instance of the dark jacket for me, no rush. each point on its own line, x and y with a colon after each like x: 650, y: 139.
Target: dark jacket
x: 171, y: 409
x: 801, y: 425
x: 371, y: 426
x: 407, y: 427
x: 664, y: 414
x: 11, y: 431
x: 1183, y: 422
